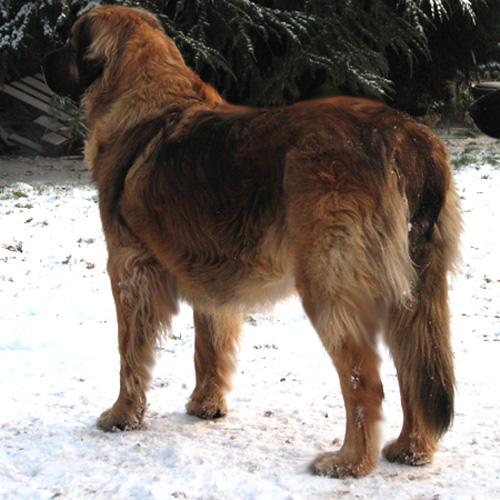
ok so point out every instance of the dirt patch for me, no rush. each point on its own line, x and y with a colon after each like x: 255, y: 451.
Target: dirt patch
x: 459, y: 139
x: 42, y: 171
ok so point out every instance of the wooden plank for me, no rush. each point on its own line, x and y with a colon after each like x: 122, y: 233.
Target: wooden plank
x: 54, y: 139
x: 60, y: 115
x: 31, y: 91
x: 4, y: 135
x: 17, y: 94
x: 50, y: 123
x: 31, y: 101
x: 41, y: 86
x: 25, y: 142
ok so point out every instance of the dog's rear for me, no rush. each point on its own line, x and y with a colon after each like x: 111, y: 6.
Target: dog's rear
x: 375, y: 222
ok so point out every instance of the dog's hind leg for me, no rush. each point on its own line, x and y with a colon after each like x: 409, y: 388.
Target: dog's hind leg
x: 145, y: 299
x: 350, y: 259
x: 216, y: 344
x: 350, y: 342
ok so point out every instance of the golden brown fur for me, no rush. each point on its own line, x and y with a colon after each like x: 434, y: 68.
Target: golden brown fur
x: 346, y: 201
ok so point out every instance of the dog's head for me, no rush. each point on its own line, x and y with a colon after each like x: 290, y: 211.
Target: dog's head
x: 485, y: 112
x: 99, y: 42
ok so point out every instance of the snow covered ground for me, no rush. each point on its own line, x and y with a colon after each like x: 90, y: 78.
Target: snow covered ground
x: 59, y: 370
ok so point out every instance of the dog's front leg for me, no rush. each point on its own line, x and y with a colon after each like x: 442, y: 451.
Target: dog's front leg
x: 216, y: 344
x: 145, y: 301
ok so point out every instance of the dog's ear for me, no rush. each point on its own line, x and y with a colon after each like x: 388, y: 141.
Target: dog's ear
x: 89, y: 68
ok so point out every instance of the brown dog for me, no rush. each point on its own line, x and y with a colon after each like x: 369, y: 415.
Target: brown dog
x: 346, y: 201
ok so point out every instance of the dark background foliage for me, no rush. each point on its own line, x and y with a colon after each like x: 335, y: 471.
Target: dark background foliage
x: 274, y: 52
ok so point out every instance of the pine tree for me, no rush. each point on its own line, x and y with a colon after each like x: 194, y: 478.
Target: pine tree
x: 267, y: 52
x: 273, y: 52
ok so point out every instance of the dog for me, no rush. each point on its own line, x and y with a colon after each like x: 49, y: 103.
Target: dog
x: 344, y: 201
x: 485, y: 112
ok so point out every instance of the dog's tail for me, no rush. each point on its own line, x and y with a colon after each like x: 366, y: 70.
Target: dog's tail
x: 419, y: 335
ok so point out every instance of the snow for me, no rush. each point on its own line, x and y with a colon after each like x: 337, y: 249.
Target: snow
x: 59, y: 370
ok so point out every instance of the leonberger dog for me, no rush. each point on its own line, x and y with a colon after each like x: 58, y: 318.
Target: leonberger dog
x: 345, y: 201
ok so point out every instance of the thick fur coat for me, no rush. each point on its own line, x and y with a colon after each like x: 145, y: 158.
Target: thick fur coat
x: 345, y: 201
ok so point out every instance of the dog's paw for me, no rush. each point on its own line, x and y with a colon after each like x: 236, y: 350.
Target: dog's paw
x: 408, y: 453
x: 339, y: 466
x: 210, y: 408
x: 115, y: 420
